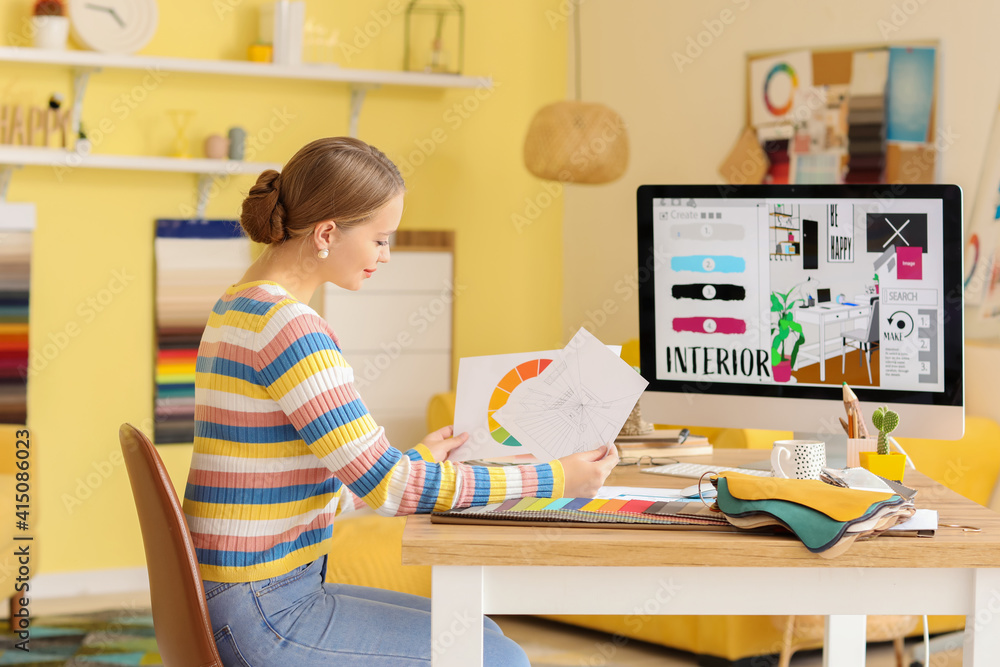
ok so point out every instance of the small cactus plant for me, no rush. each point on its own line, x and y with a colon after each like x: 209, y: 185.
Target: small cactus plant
x: 886, y: 421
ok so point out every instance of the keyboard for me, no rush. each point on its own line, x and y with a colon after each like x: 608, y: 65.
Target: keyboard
x: 696, y: 470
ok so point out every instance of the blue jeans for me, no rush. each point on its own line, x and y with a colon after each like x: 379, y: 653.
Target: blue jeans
x: 297, y: 620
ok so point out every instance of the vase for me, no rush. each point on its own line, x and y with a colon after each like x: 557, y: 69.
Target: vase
x: 783, y: 371
x: 237, y: 142
x: 51, y: 32
x: 889, y: 466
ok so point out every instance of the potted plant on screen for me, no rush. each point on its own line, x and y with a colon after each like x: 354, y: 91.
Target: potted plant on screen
x: 883, y: 462
x: 785, y: 327
x: 50, y: 24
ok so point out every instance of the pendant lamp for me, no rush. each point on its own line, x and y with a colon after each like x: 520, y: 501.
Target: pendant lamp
x: 574, y: 141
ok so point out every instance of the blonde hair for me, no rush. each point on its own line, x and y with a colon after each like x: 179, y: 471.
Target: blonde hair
x: 336, y: 178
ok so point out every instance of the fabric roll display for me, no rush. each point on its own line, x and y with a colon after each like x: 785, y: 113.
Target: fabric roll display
x: 196, y: 260
x: 15, y: 280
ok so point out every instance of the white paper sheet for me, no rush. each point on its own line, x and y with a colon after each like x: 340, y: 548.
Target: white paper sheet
x: 577, y: 403
x: 869, y: 72
x: 638, y: 493
x: 773, y: 83
x: 477, y: 396
x: 922, y: 520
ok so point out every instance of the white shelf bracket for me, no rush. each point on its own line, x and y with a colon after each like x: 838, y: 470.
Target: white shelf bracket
x: 204, y: 187
x: 358, y: 92
x: 6, y: 174
x: 81, y: 76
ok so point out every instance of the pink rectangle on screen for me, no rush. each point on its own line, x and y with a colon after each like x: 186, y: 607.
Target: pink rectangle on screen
x: 710, y: 325
x: 909, y: 263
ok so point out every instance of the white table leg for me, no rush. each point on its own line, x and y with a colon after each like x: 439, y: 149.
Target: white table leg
x: 844, y: 641
x: 456, y: 616
x: 822, y: 348
x: 982, y: 627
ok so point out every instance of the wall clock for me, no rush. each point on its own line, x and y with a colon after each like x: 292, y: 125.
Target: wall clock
x: 113, y: 26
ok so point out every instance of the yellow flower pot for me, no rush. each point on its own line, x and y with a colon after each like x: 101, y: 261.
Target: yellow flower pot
x: 890, y: 466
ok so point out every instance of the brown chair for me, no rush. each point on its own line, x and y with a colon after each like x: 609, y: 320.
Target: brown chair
x: 180, y: 614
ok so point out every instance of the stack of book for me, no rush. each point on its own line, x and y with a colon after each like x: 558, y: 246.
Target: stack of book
x: 663, y: 443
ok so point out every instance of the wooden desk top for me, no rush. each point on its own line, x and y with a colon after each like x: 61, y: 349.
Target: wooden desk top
x: 425, y: 543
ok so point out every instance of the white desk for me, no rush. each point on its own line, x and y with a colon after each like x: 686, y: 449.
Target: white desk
x: 822, y: 316
x: 542, y: 570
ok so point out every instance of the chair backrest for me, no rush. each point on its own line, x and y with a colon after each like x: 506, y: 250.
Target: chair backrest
x: 873, y: 323
x: 180, y: 614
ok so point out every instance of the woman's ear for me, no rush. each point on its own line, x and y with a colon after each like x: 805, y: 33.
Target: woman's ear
x: 327, y: 233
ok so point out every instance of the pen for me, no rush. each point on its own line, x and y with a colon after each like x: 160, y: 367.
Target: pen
x: 853, y: 407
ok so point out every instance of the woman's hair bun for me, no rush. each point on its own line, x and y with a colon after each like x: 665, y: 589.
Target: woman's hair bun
x: 263, y: 214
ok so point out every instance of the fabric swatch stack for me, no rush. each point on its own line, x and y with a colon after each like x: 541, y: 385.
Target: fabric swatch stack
x: 826, y: 518
x: 196, y: 260
x: 866, y: 132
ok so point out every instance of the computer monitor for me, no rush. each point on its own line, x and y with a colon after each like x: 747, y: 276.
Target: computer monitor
x: 727, y: 336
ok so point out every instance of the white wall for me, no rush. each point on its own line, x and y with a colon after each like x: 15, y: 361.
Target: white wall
x: 683, y: 120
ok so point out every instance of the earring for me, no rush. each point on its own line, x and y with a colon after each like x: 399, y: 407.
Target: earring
x: 323, y: 254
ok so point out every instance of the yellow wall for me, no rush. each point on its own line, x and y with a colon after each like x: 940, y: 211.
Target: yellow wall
x: 683, y: 120
x: 92, y: 224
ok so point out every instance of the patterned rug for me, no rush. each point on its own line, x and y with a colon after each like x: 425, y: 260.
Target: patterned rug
x: 103, y: 639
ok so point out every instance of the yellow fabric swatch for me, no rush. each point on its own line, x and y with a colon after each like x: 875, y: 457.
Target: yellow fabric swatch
x: 836, y: 502
x: 594, y: 505
x: 537, y: 505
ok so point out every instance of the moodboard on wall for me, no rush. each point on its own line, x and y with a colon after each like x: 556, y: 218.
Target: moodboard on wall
x: 17, y: 224
x: 851, y: 115
x: 196, y: 260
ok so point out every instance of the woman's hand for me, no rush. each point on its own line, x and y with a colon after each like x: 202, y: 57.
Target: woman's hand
x: 441, y: 442
x: 586, y: 471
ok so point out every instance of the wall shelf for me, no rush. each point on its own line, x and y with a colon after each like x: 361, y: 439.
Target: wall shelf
x: 22, y: 156
x: 12, y: 157
x: 308, y: 72
x: 83, y: 63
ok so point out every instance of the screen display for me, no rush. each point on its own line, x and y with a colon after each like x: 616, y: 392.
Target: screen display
x: 783, y: 288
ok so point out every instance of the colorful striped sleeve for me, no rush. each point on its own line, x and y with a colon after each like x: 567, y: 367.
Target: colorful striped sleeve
x: 300, y: 366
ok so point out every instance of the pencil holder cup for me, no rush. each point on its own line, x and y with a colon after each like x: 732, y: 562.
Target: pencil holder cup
x: 857, y: 445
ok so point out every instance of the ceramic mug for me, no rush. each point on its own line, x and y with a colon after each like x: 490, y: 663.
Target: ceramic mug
x: 798, y: 459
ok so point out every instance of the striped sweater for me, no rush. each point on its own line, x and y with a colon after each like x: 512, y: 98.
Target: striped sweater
x: 283, y: 443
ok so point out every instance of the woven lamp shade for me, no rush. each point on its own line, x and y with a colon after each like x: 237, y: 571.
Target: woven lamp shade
x: 576, y: 142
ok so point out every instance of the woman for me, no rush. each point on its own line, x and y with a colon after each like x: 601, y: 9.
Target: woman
x: 283, y: 442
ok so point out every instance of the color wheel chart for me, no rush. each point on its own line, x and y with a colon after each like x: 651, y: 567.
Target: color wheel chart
x: 502, y: 392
